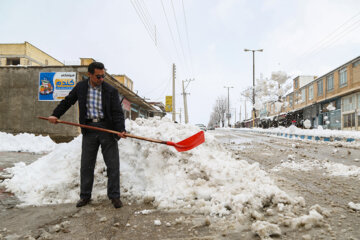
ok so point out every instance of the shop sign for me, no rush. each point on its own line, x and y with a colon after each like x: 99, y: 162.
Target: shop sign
x: 55, y: 86
x: 126, y: 105
x: 168, y: 103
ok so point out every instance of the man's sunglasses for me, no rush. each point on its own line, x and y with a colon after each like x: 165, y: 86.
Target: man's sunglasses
x: 100, y: 76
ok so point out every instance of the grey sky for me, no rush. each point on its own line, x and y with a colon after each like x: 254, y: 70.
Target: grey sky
x: 292, y: 34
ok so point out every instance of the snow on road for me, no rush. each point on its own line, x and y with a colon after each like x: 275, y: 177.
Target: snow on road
x: 205, y: 180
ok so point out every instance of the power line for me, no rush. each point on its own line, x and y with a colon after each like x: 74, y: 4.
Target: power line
x: 331, y: 38
x: 145, y: 17
x: 334, y: 39
x: 168, y: 24
x: 187, y: 38
x: 340, y: 35
x: 142, y: 18
x: 178, y: 31
x: 161, y: 96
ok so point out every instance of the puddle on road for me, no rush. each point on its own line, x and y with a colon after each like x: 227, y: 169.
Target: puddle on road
x: 8, y: 159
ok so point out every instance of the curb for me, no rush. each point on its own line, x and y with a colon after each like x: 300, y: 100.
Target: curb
x: 310, y: 137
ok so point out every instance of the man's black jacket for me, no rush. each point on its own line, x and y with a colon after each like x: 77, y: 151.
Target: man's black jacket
x: 113, y: 113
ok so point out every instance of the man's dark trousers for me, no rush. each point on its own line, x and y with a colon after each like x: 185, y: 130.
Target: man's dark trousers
x: 92, y: 139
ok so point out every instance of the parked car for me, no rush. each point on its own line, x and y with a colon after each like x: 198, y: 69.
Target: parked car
x: 201, y: 126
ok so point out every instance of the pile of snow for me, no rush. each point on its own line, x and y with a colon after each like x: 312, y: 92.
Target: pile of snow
x: 307, y: 124
x: 204, y: 180
x: 354, y: 206
x: 25, y: 142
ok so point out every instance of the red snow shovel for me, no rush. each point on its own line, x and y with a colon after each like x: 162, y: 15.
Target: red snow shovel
x: 184, y: 145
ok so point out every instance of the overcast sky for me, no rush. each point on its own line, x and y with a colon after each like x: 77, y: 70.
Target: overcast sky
x: 206, y: 41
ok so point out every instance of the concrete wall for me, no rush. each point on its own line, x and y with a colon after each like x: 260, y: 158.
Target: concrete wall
x: 19, y: 105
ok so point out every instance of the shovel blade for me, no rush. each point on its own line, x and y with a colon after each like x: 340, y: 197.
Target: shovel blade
x: 189, y: 143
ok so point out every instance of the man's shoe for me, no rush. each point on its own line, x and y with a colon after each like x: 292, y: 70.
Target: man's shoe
x: 116, y: 202
x: 82, y: 202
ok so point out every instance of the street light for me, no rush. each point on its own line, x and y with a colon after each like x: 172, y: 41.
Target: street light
x: 228, y: 115
x: 253, y: 51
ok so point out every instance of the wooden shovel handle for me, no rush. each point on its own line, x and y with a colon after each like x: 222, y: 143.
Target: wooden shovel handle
x: 107, y: 130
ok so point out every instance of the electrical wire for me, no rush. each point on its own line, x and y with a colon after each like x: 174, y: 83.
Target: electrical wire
x: 330, y: 39
x: 178, y: 31
x: 168, y: 24
x: 187, y: 38
x: 143, y: 20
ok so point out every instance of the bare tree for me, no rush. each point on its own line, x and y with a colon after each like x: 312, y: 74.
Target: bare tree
x: 218, y: 114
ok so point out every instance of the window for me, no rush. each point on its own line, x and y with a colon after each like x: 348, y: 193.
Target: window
x: 296, y: 83
x: 330, y: 83
x: 291, y: 100
x: 311, y: 92
x: 13, y: 61
x: 320, y: 87
x: 343, y: 77
x: 349, y: 120
x: 357, y: 63
x: 303, y: 95
x: 349, y: 103
x: 46, y: 62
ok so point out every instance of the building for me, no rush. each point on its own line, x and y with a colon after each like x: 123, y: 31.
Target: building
x: 331, y: 100
x: 25, y: 54
x: 24, y: 90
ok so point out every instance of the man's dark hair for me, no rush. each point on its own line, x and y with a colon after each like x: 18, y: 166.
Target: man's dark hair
x: 95, y: 65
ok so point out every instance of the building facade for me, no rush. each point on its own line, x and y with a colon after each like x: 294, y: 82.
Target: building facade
x: 331, y: 100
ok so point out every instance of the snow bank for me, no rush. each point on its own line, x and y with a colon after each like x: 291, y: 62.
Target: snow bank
x: 25, y: 142
x: 204, y: 180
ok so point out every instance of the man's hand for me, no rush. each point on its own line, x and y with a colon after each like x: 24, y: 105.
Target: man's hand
x: 53, y: 119
x: 122, y: 134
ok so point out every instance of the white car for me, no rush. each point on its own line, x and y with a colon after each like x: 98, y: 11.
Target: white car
x: 201, y: 126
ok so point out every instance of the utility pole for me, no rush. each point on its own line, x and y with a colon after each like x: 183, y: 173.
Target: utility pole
x: 240, y: 113
x: 228, y: 115
x: 235, y: 116
x: 185, y: 99
x: 253, y: 95
x: 173, y: 95
x: 180, y: 114
x: 245, y: 109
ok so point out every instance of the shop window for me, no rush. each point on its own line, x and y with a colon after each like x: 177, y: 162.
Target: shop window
x: 343, y: 77
x: 330, y: 83
x: 349, y: 103
x: 349, y: 120
x: 12, y: 61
